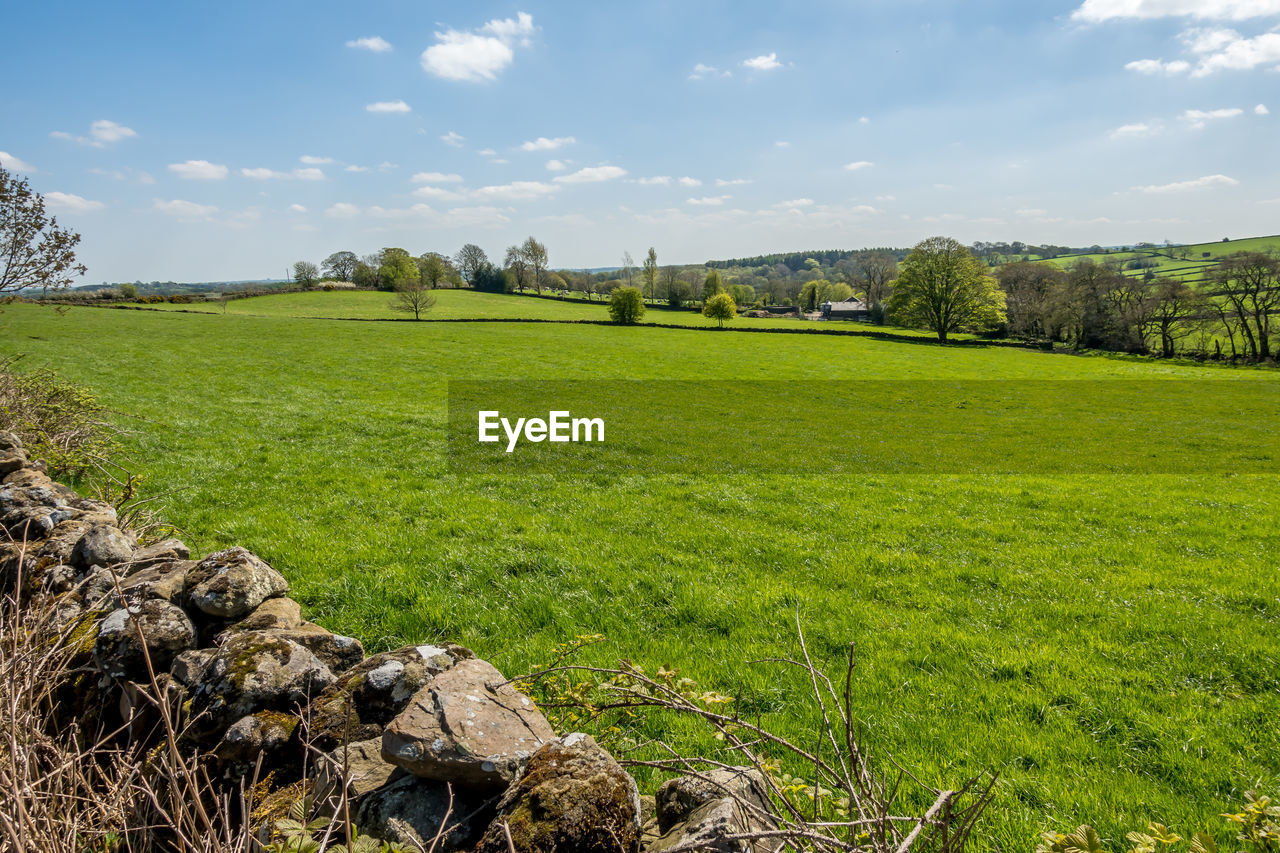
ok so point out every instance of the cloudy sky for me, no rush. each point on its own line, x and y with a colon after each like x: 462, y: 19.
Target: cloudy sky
x: 225, y: 141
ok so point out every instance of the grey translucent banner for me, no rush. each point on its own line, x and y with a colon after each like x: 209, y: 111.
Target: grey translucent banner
x: 623, y: 427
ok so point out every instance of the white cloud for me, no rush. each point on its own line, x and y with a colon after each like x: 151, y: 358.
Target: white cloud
x: 1261, y: 110
x: 388, y: 107
x: 858, y: 165
x: 782, y: 143
x: 377, y: 44
x: 690, y: 182
x: 556, y: 166
x: 1207, y: 40
x: 886, y: 198
x: 1198, y: 118
x: 592, y: 175
x: 864, y: 120
x: 1096, y: 11
x: 436, y: 178
x: 262, y: 174
x: 516, y: 190
x: 1031, y: 212
x: 199, y: 170
x: 387, y: 166
x: 478, y: 217
x: 311, y: 174
x: 795, y: 202
x: 342, y: 210
x: 70, y: 203
x: 356, y: 169
x: 1237, y: 53
x: 765, y: 62
x: 735, y: 182
x: 101, y: 134
x: 709, y: 201
x: 108, y: 131
x: 453, y: 138
x: 1131, y: 131
x: 184, y: 209
x: 1197, y: 184
x: 297, y: 208
x: 477, y: 56
x: 437, y: 192
x: 308, y: 160
x: 1158, y: 66
x: 657, y: 180
x: 702, y: 70
x: 8, y: 161
x: 544, y: 144
x: 487, y: 152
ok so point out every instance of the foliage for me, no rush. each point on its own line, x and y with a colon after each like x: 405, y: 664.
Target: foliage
x: 340, y: 265
x: 534, y: 255
x: 712, y: 284
x: 720, y: 307
x: 34, y: 251
x: 488, y: 278
x: 128, y: 291
x: 305, y: 274
x: 626, y: 305
x: 434, y: 270
x: 943, y: 288
x: 58, y: 421
x: 1258, y: 828
x: 469, y: 259
x: 396, y: 270
x: 649, y: 273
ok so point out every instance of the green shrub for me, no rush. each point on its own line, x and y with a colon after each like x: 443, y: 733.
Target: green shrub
x: 58, y: 421
x: 626, y: 305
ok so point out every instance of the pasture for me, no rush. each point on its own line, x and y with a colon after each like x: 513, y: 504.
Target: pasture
x: 1107, y: 642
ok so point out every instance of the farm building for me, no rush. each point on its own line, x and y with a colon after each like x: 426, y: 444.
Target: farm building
x: 852, y: 309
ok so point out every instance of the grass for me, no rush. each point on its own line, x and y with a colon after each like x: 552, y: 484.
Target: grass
x: 1108, y: 643
x: 1201, y: 259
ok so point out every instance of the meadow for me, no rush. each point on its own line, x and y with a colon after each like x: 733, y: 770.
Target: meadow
x: 1169, y: 262
x: 1107, y: 642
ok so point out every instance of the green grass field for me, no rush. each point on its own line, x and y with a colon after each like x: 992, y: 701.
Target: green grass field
x: 1108, y: 643
x: 1200, y: 260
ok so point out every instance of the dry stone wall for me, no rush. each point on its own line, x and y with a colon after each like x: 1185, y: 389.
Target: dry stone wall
x: 428, y: 742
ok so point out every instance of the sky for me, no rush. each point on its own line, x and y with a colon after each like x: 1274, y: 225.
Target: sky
x: 212, y: 142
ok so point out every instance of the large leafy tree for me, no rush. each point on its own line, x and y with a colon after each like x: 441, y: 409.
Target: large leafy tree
x: 397, y: 269
x: 945, y: 289
x: 340, y: 265
x: 720, y: 307
x: 468, y: 260
x: 305, y: 274
x: 626, y: 305
x: 34, y: 251
x: 535, y: 256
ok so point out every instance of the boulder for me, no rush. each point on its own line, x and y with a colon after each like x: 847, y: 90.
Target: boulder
x: 410, y: 812
x: 12, y: 460
x: 274, y: 613
x: 703, y: 809
x: 366, y: 697
x: 165, y: 551
x: 232, y: 583
x: 338, y: 653
x: 360, y: 764
x: 464, y: 728
x: 188, y: 668
x: 165, y: 581
x: 9, y: 441
x: 265, y: 733
x: 102, y: 545
x: 253, y: 671
x: 572, y: 796
x: 166, y: 631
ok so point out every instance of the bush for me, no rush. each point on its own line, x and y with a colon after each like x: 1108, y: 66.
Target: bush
x: 720, y: 307
x: 626, y: 306
x: 58, y: 421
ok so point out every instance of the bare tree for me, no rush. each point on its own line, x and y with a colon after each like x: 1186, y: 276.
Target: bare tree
x: 535, y: 255
x: 340, y: 265
x: 34, y: 251
x: 517, y: 263
x: 469, y: 259
x: 1173, y: 311
x: 628, y: 269
x: 650, y: 273
x: 305, y: 274
x: 413, y: 297
x: 1248, y: 285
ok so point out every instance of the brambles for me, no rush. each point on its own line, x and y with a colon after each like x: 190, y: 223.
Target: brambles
x: 58, y: 421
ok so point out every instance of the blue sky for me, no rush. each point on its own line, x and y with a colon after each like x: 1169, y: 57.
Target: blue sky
x: 225, y: 141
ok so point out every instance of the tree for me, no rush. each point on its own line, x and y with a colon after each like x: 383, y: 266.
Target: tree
x: 397, y: 269
x: 1248, y: 285
x: 469, y: 259
x: 517, y: 263
x: 128, y: 291
x: 305, y: 274
x: 34, y: 251
x: 364, y: 276
x: 876, y: 270
x: 433, y: 269
x: 535, y: 255
x: 628, y: 269
x: 946, y: 289
x: 340, y: 266
x: 712, y: 285
x: 720, y: 307
x: 626, y: 305
x: 650, y: 273
x: 490, y: 279
x: 413, y: 297
x: 1030, y: 290
x: 1173, y: 313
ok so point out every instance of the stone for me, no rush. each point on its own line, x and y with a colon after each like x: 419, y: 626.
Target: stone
x: 166, y: 631
x: 360, y: 764
x: 254, y: 671
x: 266, y: 733
x: 274, y: 613
x: 339, y: 653
x: 165, y: 581
x: 366, y: 697
x: 409, y: 811
x: 232, y: 583
x: 102, y: 545
x: 12, y: 460
x: 572, y: 796
x: 165, y: 551
x: 9, y: 441
x: 464, y: 728
x: 702, y: 809
x: 188, y: 668
x: 29, y: 522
